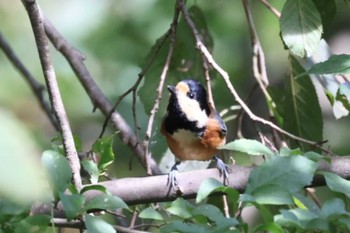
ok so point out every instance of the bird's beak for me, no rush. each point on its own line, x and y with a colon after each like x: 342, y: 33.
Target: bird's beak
x: 172, y: 89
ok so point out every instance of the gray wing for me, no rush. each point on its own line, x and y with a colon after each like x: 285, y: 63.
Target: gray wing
x: 221, y: 123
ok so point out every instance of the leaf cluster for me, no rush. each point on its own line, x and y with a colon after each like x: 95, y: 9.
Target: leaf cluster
x: 276, y: 187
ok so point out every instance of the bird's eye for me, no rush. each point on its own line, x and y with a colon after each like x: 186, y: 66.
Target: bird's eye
x: 190, y: 95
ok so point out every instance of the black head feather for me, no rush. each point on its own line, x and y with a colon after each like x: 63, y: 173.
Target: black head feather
x: 175, y: 118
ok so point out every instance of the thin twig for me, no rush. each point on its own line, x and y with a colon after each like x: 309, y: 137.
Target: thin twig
x: 109, y: 115
x: 53, y: 90
x: 202, y: 48
x: 207, y: 79
x: 258, y: 55
x: 239, y: 210
x: 160, y: 86
x: 37, y: 88
x: 267, y: 142
x: 148, y: 225
x: 135, y: 214
x: 76, y: 61
x: 311, y: 192
x: 271, y: 8
x: 133, y: 109
x: 226, y: 208
x: 133, y: 89
x: 259, y: 65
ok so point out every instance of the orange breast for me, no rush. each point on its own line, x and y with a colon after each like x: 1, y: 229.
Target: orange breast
x: 213, y: 137
x: 193, y: 150
x: 185, y: 145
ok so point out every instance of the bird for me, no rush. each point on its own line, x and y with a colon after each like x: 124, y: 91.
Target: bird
x: 193, y: 129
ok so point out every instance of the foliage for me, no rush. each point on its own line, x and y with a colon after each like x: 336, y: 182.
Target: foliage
x: 16, y: 218
x: 302, y: 106
x: 301, y: 27
x: 275, y: 187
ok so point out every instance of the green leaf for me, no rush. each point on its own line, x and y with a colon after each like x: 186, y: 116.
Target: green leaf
x: 339, y: 98
x: 207, y: 187
x: 214, y: 214
x: 301, y: 27
x: 97, y: 187
x: 211, y: 185
x: 334, y: 207
x: 337, y: 183
x: 72, y: 204
x: 97, y: 225
x: 278, y: 97
x: 248, y: 146
x: 106, y: 202
x: 56, y: 144
x: 150, y: 213
x: 331, y: 211
x: 104, y: 147
x: 273, y: 195
x: 269, y: 227
x: 286, y: 174
x: 302, y: 113
x: 327, y: 10
x: 313, y: 156
x: 299, y: 203
x: 77, y: 143
x: 151, y: 79
x: 9, y: 207
x: 179, y: 226
x: 266, y: 214
x: 295, y: 217
x: 303, y: 202
x: 336, y: 64
x: 35, y: 223
x: 57, y: 166
x: 92, y: 169
x: 285, y: 151
x: 319, y: 224
x: 343, y: 96
x: 181, y: 208
x: 345, y: 222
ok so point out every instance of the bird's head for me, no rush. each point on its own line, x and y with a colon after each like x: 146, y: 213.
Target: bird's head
x: 191, y: 99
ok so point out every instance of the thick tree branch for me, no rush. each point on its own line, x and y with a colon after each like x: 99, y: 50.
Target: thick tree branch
x: 99, y: 100
x: 154, y: 188
x: 37, y: 88
x: 52, y: 87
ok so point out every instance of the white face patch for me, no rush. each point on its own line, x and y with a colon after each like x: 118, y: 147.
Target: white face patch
x: 192, y: 110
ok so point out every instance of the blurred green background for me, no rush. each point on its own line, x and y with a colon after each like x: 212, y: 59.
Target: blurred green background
x: 115, y: 37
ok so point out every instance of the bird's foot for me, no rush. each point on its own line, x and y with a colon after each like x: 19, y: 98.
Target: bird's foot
x: 224, y: 169
x: 172, y: 176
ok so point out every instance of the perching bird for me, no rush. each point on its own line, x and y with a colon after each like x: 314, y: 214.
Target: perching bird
x: 192, y: 129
